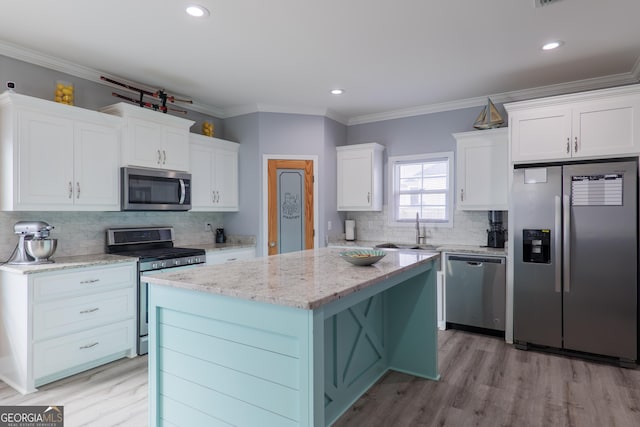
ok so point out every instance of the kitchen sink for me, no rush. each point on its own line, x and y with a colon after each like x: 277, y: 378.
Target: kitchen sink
x: 405, y: 246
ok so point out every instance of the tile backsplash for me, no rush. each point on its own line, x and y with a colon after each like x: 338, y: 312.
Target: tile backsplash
x: 469, y: 228
x: 80, y: 233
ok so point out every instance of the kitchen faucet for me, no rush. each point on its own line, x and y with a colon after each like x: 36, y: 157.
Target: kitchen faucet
x: 420, y: 237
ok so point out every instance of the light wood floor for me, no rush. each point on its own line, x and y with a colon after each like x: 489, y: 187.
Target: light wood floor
x: 484, y: 382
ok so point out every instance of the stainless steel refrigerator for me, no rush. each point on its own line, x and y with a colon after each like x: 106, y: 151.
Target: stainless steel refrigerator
x: 576, y: 257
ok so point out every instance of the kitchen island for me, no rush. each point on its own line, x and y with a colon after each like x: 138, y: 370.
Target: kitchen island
x: 286, y: 340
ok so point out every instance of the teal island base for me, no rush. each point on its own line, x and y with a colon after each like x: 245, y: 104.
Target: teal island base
x: 217, y: 360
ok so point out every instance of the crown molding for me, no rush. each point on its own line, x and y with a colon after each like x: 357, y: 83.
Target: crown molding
x: 270, y: 108
x: 47, y: 61
x: 518, y: 95
x: 67, y: 67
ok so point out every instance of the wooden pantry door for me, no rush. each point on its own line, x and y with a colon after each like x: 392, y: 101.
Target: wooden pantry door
x: 290, y: 205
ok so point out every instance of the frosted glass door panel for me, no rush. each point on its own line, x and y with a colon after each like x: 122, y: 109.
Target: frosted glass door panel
x: 291, y: 210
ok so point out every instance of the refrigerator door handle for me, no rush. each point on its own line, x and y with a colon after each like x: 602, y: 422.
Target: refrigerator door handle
x: 558, y: 242
x: 566, y: 241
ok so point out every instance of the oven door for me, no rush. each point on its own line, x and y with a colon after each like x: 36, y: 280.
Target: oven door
x: 155, y: 190
x: 143, y: 305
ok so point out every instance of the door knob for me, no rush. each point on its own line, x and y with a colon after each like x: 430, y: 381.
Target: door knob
x: 272, y: 244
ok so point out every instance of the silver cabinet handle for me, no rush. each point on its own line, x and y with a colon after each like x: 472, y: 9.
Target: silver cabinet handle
x: 566, y: 241
x: 575, y: 144
x: 159, y: 157
x: 164, y: 157
x: 70, y: 189
x: 89, y: 281
x: 213, y: 196
x: 568, y: 145
x: 231, y: 259
x: 93, y: 344
x: 217, y: 196
x: 462, y: 194
x: 369, y: 197
x: 557, y: 242
x: 77, y: 189
x: 90, y: 310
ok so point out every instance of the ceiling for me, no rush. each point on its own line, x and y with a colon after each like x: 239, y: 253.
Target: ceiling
x: 393, y: 58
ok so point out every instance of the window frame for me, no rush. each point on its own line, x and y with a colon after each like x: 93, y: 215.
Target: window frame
x: 393, y: 197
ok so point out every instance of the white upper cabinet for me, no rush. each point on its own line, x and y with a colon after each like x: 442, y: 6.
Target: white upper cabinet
x: 214, y: 174
x: 596, y: 124
x: 482, y: 165
x: 152, y: 139
x: 360, y: 177
x: 57, y: 157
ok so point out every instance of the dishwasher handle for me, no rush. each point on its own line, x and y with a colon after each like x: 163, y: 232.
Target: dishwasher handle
x: 476, y: 260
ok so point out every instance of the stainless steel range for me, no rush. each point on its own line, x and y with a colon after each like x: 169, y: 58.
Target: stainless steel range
x: 153, y: 246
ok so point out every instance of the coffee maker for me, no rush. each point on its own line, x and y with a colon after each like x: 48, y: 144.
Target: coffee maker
x: 496, y: 234
x: 34, y: 246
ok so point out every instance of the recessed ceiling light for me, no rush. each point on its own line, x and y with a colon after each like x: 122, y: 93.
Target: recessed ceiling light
x: 337, y: 91
x: 552, y: 45
x: 197, y: 11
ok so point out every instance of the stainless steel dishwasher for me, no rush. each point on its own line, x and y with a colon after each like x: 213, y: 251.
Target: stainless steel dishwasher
x: 475, y: 291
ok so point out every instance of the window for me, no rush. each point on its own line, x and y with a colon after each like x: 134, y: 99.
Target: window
x: 421, y: 184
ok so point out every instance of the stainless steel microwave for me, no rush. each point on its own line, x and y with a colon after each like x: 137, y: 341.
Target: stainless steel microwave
x: 155, y: 190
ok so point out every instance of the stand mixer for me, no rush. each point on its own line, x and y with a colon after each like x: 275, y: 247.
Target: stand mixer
x: 34, y: 246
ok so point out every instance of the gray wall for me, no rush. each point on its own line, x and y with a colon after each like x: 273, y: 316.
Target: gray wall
x: 284, y: 134
x: 258, y: 134
x: 39, y: 82
x: 428, y: 133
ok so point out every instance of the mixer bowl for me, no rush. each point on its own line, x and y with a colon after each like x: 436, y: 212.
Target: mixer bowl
x: 41, y: 249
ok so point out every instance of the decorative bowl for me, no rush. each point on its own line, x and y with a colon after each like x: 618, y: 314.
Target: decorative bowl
x: 363, y: 256
x: 41, y: 249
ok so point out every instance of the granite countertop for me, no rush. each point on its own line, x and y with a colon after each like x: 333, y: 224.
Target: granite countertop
x: 64, y: 263
x: 440, y: 247
x: 306, y: 279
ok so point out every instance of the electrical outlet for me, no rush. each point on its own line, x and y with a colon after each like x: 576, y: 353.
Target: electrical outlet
x: 207, y: 227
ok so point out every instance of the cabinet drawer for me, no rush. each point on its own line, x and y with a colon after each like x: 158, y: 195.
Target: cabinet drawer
x: 59, y: 354
x: 221, y: 257
x: 62, y: 317
x: 71, y: 284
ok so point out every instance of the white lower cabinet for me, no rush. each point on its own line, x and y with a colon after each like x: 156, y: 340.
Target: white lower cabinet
x: 75, y: 352
x: 230, y: 255
x: 59, y: 323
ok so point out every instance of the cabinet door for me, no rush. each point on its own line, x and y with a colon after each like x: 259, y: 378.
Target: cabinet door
x: 226, y: 180
x: 45, y: 162
x: 606, y: 128
x: 97, y: 160
x: 355, y: 179
x: 142, y: 143
x: 201, y: 177
x: 482, y: 172
x: 175, y: 149
x: 541, y: 134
